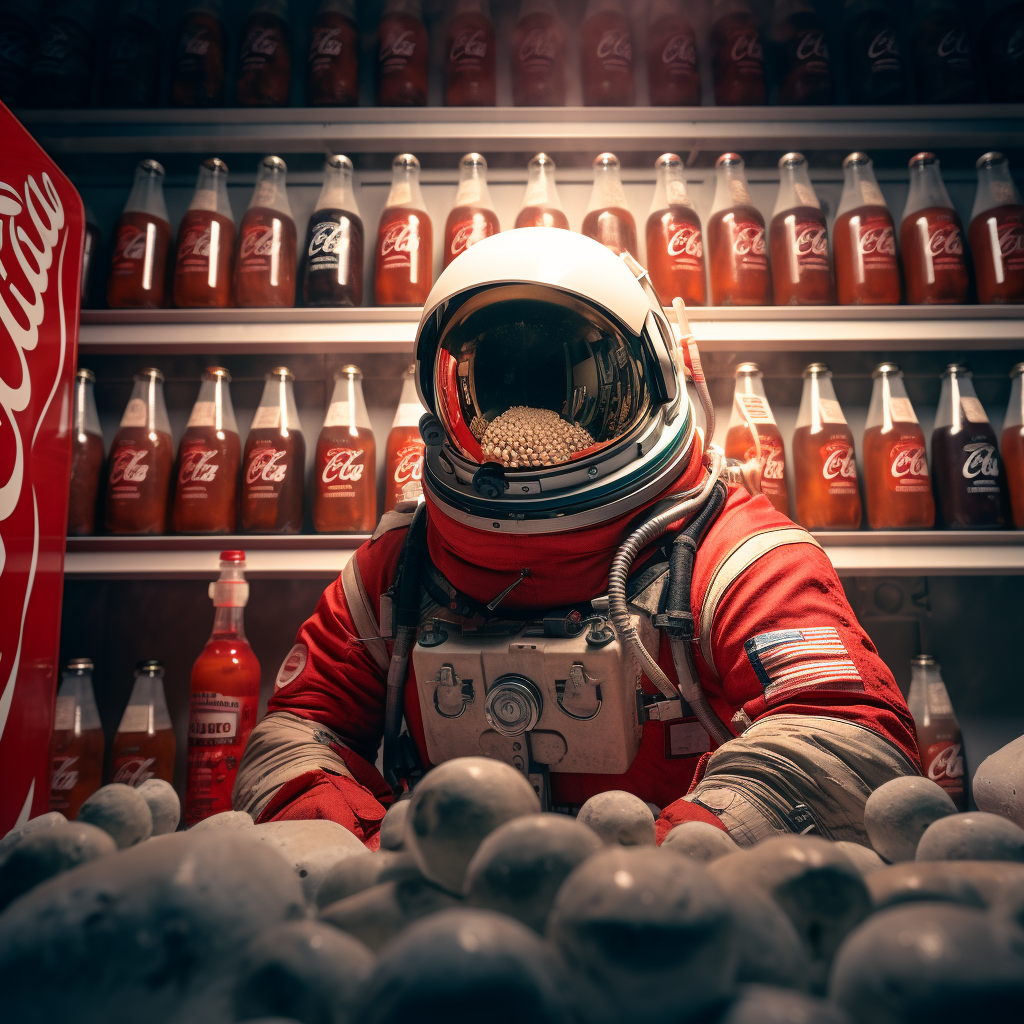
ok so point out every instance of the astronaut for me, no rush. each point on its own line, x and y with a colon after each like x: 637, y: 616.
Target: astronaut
x: 585, y: 590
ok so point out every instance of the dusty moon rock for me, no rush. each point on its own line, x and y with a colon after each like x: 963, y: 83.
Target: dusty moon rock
x: 303, y: 968
x: 519, y: 867
x: 898, y: 812
x: 229, y: 821
x: 699, y: 840
x: 455, y: 806
x: 19, y: 832
x: 930, y: 961
x: 922, y: 881
x: 462, y: 966
x: 619, y: 818
x: 153, y: 933
x: 357, y: 874
x: 764, y: 1004
x: 164, y: 805
x: 120, y: 811
x: 972, y: 836
x: 864, y: 859
x: 645, y: 936
x: 999, y: 782
x: 392, y: 828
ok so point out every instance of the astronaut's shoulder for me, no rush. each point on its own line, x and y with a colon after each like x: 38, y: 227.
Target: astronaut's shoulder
x: 399, y: 518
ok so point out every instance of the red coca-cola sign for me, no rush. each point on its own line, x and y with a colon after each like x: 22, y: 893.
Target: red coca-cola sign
x: 42, y: 227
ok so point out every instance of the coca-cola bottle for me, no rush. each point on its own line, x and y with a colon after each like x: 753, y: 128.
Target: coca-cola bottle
x: 608, y: 219
x: 142, y: 238
x: 864, y: 239
x: 472, y: 218
x: 675, y: 248
x: 402, y: 54
x: 541, y: 206
x: 265, y: 262
x: 538, y: 56
x: 140, y: 461
x: 932, y: 238
x: 996, y: 232
x: 1012, y: 445
x: 332, y: 273
x: 606, y: 55
x: 265, y: 60
x: 754, y: 434
x: 403, y: 480
x: 206, y: 490
x: 345, y: 492
x: 801, y: 269
x: 735, y: 241
x: 824, y: 462
x: 225, y: 697
x: 332, y: 75
x: 875, y: 71
x: 1003, y: 49
x: 943, y: 60
x: 940, y: 743
x: 144, y: 744
x: 969, y: 487
x: 896, y: 483
x: 76, y: 748
x: 673, y: 76
x: 19, y: 30
x: 274, y: 461
x: 62, y: 68
x: 132, y: 70
x: 470, y: 70
x: 206, y: 242
x: 90, y: 254
x: 801, y: 51
x: 404, y: 259
x: 197, y: 76
x: 86, y: 457
x: 737, y: 55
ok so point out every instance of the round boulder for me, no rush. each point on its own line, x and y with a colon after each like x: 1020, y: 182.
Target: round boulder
x: 863, y: 858
x: 455, y: 806
x: 999, y: 782
x: 764, y: 1004
x: 226, y: 821
x: 898, y: 812
x: 619, y: 818
x: 164, y: 805
x: 392, y: 827
x: 699, y: 840
x: 357, y: 874
x: 972, y: 836
x: 922, y: 881
x: 120, y: 811
x: 519, y: 867
x: 19, y: 832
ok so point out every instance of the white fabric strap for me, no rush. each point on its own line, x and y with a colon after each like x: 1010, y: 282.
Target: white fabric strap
x: 362, y: 612
x: 392, y: 521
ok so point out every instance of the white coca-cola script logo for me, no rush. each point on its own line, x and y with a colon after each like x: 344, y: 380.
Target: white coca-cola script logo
x: 883, y: 43
x: 462, y: 237
x: 327, y: 42
x: 128, y: 466
x: 198, y: 44
x: 196, y: 466
x: 131, y: 243
x: 945, y: 238
x: 1011, y: 239
x: 327, y: 237
x: 954, y: 41
x: 262, y: 41
x: 409, y: 465
x: 686, y: 242
x: 773, y: 463
x: 470, y: 43
x: 617, y: 44
x: 258, y: 241
x: 135, y: 771
x: 65, y: 775
x: 909, y: 460
x: 196, y: 243
x: 981, y: 460
x: 397, y: 43
x: 948, y: 763
x: 679, y: 49
x: 812, y: 44
x: 747, y: 46
x: 343, y: 465
x: 840, y: 463
x: 878, y: 240
x: 539, y: 45
x: 400, y: 238
x: 749, y: 238
x: 266, y: 465
x: 812, y: 240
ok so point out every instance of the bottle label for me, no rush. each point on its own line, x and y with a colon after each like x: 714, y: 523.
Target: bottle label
x: 135, y: 414
x: 328, y: 240
x: 811, y: 48
x: 467, y: 233
x: 757, y: 408
x: 63, y: 779
x: 64, y: 713
x: 615, y: 51
x: 258, y: 247
x: 135, y: 718
x: 981, y: 468
x: 1010, y: 233
x: 973, y: 409
x: 877, y: 243
x: 130, y: 247
x: 883, y: 51
x: 326, y: 42
x: 408, y: 464
x: 538, y: 50
x: 829, y: 411
x: 133, y: 770
x: 398, y: 245
x: 204, y: 414
x: 946, y: 245
x: 955, y: 48
x: 748, y: 245
x: 267, y: 416
x: 195, y: 249
x: 908, y: 467
x: 811, y: 246
x: 745, y: 51
x: 343, y: 465
x: 129, y: 466
x: 679, y: 54
x: 397, y: 46
x: 839, y: 466
x: 197, y: 467
x: 685, y: 246
x: 901, y: 410
x: 259, y: 47
x: 468, y: 50
x: 943, y: 762
x: 266, y: 467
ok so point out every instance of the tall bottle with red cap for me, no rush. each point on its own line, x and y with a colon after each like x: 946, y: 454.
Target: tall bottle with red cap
x: 606, y: 55
x: 996, y: 232
x: 1012, y: 445
x: 538, y: 56
x: 473, y: 217
x: 608, y: 219
x: 404, y: 463
x: 675, y: 248
x: 737, y: 55
x: 265, y: 262
x: 225, y: 697
x: 402, y: 53
x: 332, y: 67
x: 541, y: 207
x: 86, y: 456
x: 405, y: 239
x: 206, y: 242
x: 265, y: 60
x: 673, y: 75
x: 470, y: 68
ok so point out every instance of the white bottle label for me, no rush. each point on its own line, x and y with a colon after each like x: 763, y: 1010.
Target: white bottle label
x: 740, y: 193
x: 830, y: 411
x: 401, y: 194
x: 267, y: 416
x: 64, y: 713
x: 973, y: 410
x: 134, y: 414
x: 677, y: 195
x: 135, y: 718
x: 901, y: 410
x: 338, y: 415
x: 938, y: 701
x: 871, y: 194
x: 204, y: 414
x: 470, y: 193
x: 806, y: 195
x: 757, y: 408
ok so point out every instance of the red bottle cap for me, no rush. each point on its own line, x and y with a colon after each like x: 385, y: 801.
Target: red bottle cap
x: 232, y: 556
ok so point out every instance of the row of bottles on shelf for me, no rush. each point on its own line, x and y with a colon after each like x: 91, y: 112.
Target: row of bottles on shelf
x: 54, y: 65
x: 795, y: 265
x: 224, y: 703
x: 216, y: 485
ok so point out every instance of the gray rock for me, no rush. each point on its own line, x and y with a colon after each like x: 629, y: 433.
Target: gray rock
x: 313, y: 848
x: 519, y: 867
x: 1010, y: 905
x: 153, y: 933
x: 47, y: 852
x: 619, y: 818
x: 699, y: 840
x: 464, y: 966
x: 378, y: 915
x: 928, y: 962
x: 764, y: 1004
x: 392, y: 828
x: 455, y: 806
x: 19, y: 832
x: 120, y: 811
x: 226, y: 821
x: 164, y: 805
x: 989, y: 877
x: 898, y: 812
x: 645, y: 936
x: 863, y: 858
x: 999, y: 782
x: 814, y: 883
x: 356, y: 874
x: 922, y: 881
x: 308, y: 970
x: 972, y: 836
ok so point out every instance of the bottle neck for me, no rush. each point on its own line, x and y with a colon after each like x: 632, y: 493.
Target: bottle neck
x: 147, y: 196
x: 228, y: 622
x: 607, y: 191
x: 540, y: 188
x: 473, y: 189
x: 337, y: 192
x: 670, y: 189
x: 212, y: 194
x: 860, y: 188
x: 926, y: 190
x: 795, y: 190
x: 271, y: 192
x: 1015, y: 410
x: 731, y: 189
x: 87, y: 419
x: 996, y: 187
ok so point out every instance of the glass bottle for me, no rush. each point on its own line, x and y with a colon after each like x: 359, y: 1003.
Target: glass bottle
x: 76, y: 748
x: 939, y: 740
x: 404, y: 462
x: 206, y: 490
x: 875, y: 70
x: 538, y: 56
x: 541, y: 207
x: 606, y: 55
x: 90, y: 254
x: 470, y: 69
x: 943, y: 58
x: 405, y: 239
x: 86, y: 457
x: 274, y: 461
x: 65, y: 58
x: 472, y: 218
x: 801, y: 51
x: 1012, y: 445
x: 265, y: 263
x: 19, y: 28
x: 134, y: 49
x: 197, y: 77
x: 1002, y: 31
x: 402, y: 55
x: 737, y: 55
x: 225, y: 697
x: 206, y: 242
x: 144, y: 744
x: 996, y: 232
x: 332, y: 73
x: 332, y: 273
x: 675, y: 246
x: 608, y: 219
x: 673, y: 74
x: 265, y: 60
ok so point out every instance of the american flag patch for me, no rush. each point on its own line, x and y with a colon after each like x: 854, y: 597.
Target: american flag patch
x: 814, y: 658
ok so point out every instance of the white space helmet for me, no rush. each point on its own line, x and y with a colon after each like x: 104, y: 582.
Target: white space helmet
x: 554, y: 382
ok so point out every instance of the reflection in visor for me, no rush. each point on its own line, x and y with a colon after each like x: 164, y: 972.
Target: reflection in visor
x: 533, y: 437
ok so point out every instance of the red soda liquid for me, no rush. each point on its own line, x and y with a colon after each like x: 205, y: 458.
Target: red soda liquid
x: 806, y: 68
x: 737, y: 58
x: 333, y: 73
x: 612, y: 227
x: 206, y: 493
x: 740, y: 445
x: 86, y: 467
x: 345, y: 495
x: 827, y: 497
x: 404, y: 466
x: 470, y: 73
x: 139, y: 756
x: 1012, y: 446
x: 538, y: 61
x: 138, y: 267
x: 867, y: 272
x: 997, y: 244
x: 739, y: 265
x: 273, y: 470
x: 265, y: 64
x: 932, y: 247
x: 606, y: 60
x: 404, y: 264
x: 197, y: 78
x: 801, y: 272
x: 402, y: 49
x: 139, y: 481
x: 76, y: 769
x: 675, y: 255
x: 541, y: 217
x: 132, y: 74
x: 202, y: 269
x: 466, y: 226
x: 673, y: 78
x: 1003, y: 47
x: 265, y: 265
x: 896, y: 481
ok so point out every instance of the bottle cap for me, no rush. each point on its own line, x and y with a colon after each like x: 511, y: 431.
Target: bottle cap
x: 745, y: 368
x: 792, y: 160
x: 152, y: 666
x: 991, y: 159
x: 542, y: 160
x: 149, y: 373
x: 922, y: 160
x: 473, y: 160
x: 886, y: 370
x: 152, y: 167
x: 339, y: 162
x: 1017, y: 368
x: 214, y: 163
x: 80, y: 665
x: 405, y: 162
x: 606, y: 160
x: 668, y: 160
x: 856, y: 160
x: 817, y: 370
x: 729, y: 160
x: 217, y: 373
x: 82, y: 374
x: 956, y: 370
x: 274, y: 163
x: 923, y: 659
x: 281, y: 371
x: 348, y: 371
x: 411, y: 372
x: 232, y: 556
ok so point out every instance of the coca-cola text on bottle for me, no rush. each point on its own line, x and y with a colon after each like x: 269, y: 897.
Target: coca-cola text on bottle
x: 76, y: 748
x: 197, y: 75
x: 472, y: 218
x: 943, y: 59
x: 801, y: 52
x: 606, y: 55
x: 675, y: 246
x: 206, y: 243
x: 265, y: 59
x: 144, y: 744
x: 86, y: 457
x: 470, y: 69
x: 265, y: 261
x: 608, y: 219
x: 131, y: 76
x: 405, y: 239
x: 673, y: 75
x: 737, y: 55
x: 538, y: 56
x: 403, y: 479
x: 541, y: 207
x: 875, y: 71
x: 332, y: 272
x: 332, y: 73
x: 402, y: 53
x: 996, y: 232
x: 940, y: 743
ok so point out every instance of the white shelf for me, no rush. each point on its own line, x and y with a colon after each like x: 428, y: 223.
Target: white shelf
x: 382, y: 329
x: 526, y: 129
x: 861, y: 553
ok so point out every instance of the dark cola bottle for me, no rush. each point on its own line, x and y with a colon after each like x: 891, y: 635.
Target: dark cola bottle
x: 332, y: 273
x: 90, y: 254
x: 606, y: 55
x: 470, y: 69
x: 333, y: 65
x: 801, y: 52
x: 1002, y: 46
x: 19, y: 30
x: 538, y: 56
x: 943, y: 59
x: 131, y: 76
x: 737, y: 55
x: 402, y: 55
x: 62, y: 69
x: 875, y: 69
x: 265, y: 61
x: 197, y: 73
x: 673, y: 77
